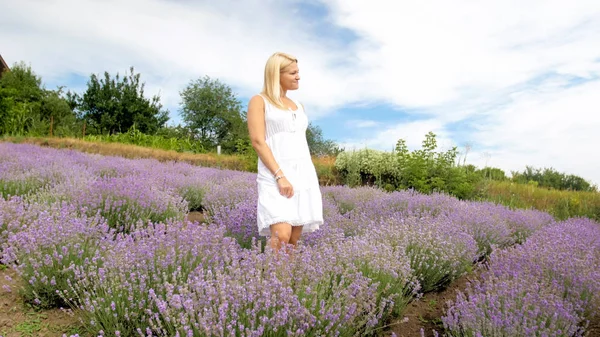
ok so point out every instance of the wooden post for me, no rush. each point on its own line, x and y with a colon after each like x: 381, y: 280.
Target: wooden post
x: 51, y: 122
x: 83, y: 134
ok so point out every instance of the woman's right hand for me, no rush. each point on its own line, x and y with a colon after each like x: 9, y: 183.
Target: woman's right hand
x: 285, y: 188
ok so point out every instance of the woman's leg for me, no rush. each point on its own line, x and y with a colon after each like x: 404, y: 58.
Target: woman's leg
x: 280, y: 233
x: 295, y: 235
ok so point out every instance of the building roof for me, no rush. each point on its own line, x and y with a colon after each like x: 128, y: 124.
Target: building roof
x: 3, y: 65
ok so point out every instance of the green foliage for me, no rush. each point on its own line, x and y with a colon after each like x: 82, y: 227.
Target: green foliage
x: 550, y: 178
x: 114, y: 105
x: 56, y: 108
x: 20, y: 99
x: 26, y: 84
x: 210, y: 109
x: 178, y: 131
x: 424, y: 170
x: 20, y: 187
x: 319, y: 146
x: 136, y: 137
x: 492, y: 173
x: 243, y: 148
x: 27, y: 108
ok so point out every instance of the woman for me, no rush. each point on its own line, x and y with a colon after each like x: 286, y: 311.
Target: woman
x: 289, y: 198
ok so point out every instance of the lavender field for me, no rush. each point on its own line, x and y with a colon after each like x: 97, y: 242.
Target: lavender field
x: 109, y: 238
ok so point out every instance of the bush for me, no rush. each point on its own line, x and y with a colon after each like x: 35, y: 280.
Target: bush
x: 423, y: 170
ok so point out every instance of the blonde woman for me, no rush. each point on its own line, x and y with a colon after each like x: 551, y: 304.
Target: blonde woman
x: 289, y: 198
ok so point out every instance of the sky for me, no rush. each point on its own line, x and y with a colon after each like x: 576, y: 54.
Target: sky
x: 515, y: 82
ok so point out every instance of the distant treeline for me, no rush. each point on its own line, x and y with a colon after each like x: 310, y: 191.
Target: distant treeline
x: 115, y: 108
x: 549, y: 177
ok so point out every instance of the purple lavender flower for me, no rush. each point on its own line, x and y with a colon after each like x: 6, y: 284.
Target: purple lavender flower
x: 156, y: 274
x: 548, y: 286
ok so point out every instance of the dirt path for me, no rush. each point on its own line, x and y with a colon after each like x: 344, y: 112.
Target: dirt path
x: 195, y: 217
x: 593, y: 330
x: 17, y: 319
x: 426, y: 313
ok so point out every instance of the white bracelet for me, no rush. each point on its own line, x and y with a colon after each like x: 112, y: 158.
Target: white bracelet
x: 278, y: 177
x: 275, y: 175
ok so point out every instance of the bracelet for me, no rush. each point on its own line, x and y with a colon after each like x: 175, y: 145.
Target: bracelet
x: 278, y: 177
x: 275, y: 175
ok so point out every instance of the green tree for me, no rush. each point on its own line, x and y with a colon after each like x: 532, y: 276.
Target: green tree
x: 550, y: 178
x: 20, y: 99
x: 114, y: 105
x: 212, y: 111
x: 426, y: 170
x: 55, y: 109
x: 26, y: 107
x: 318, y: 145
x: 492, y: 173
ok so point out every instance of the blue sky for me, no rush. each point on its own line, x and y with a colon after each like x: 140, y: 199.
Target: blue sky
x: 516, y: 81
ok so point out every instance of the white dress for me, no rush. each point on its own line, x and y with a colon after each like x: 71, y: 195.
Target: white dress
x: 285, y: 134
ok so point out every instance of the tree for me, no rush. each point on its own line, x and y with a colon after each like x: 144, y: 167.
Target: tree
x: 550, y: 178
x: 20, y: 96
x: 114, y: 105
x: 26, y: 107
x: 318, y: 145
x: 427, y: 170
x: 55, y: 108
x: 211, y: 110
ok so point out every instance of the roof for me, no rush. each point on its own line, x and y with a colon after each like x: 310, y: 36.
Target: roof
x: 3, y: 65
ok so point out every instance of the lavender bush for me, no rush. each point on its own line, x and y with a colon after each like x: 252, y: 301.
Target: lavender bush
x: 115, y: 293
x: 45, y: 250
x: 13, y: 217
x: 548, y: 286
x: 319, y: 293
x: 486, y: 223
x: 523, y: 223
x: 107, y: 236
x: 183, y: 278
x: 22, y: 174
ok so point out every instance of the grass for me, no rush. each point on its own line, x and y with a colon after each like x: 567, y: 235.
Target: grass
x: 32, y: 325
x: 561, y: 204
x: 36, y: 323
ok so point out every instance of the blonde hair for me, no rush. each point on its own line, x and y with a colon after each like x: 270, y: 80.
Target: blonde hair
x: 272, y: 87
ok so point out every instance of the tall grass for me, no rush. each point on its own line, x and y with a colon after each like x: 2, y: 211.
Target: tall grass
x: 135, y: 137
x: 561, y: 204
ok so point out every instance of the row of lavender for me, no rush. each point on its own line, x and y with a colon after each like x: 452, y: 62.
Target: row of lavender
x: 549, y: 286
x: 107, y: 235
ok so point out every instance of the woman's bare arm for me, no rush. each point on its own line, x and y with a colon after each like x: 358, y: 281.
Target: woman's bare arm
x: 256, y: 130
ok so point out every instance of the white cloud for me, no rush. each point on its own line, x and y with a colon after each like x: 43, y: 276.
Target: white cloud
x: 435, y: 52
x: 444, y: 61
x: 549, y: 127
x: 169, y: 42
x: 462, y: 60
x: 412, y: 132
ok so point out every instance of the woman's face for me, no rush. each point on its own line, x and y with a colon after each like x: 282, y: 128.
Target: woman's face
x: 289, y: 77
